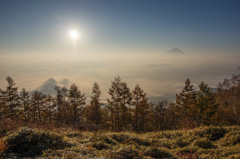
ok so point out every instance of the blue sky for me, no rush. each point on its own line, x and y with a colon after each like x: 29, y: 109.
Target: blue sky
x: 129, y: 38
x: 208, y: 26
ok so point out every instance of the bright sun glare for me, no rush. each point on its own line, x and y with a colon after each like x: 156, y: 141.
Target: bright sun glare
x: 73, y: 34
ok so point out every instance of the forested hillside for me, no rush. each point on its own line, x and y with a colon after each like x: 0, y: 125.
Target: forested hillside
x: 126, y: 109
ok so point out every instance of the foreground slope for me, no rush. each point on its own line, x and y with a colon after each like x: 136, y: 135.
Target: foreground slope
x: 210, y: 142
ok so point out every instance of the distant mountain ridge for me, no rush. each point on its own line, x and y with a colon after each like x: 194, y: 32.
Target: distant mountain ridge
x: 176, y: 51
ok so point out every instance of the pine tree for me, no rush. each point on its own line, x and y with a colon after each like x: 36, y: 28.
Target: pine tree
x: 173, y: 115
x: 78, y: 100
x: 49, y: 109
x: 186, y: 99
x: 151, y: 121
x: 24, y: 98
x: 138, y: 96
x: 65, y: 104
x: 205, y: 103
x: 96, y: 105
x: 160, y: 111
x: 38, y: 105
x: 106, y: 118
x: 2, y: 106
x: 143, y: 110
x: 59, y: 104
x: 115, y: 101
x: 126, y: 100
x: 228, y: 99
x: 110, y: 116
x: 10, y: 97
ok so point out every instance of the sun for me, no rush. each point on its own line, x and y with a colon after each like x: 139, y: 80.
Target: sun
x: 73, y: 34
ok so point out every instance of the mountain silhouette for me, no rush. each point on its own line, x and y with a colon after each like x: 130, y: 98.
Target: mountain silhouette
x: 175, y: 51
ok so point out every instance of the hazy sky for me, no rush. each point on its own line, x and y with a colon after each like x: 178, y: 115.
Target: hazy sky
x: 129, y: 38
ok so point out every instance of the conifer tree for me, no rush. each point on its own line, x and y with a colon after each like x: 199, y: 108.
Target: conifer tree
x: 96, y: 105
x: 65, y: 104
x: 106, y: 118
x: 143, y: 110
x: 228, y: 99
x: 186, y: 99
x: 59, y: 104
x: 126, y: 100
x: 37, y: 99
x: 205, y: 103
x: 78, y: 100
x: 173, y: 115
x: 11, y: 98
x: 138, y: 96
x: 2, y: 107
x: 25, y: 102
x: 160, y: 111
x: 89, y: 116
x: 115, y: 101
x: 151, y: 116
x: 49, y: 109
x: 110, y: 116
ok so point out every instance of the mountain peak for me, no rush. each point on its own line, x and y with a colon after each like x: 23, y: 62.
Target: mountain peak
x: 176, y: 51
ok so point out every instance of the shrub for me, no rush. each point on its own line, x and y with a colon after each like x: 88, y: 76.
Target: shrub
x: 30, y: 142
x: 181, y: 142
x: 156, y: 152
x: 212, y: 133
x: 103, y: 137
x: 110, y: 140
x: 76, y: 134
x: 192, y: 138
x: 232, y: 138
x: 166, y: 143
x: 165, y: 134
x: 204, y: 143
x: 127, y: 152
x: 139, y: 141
x: 100, y: 145
x: 120, y: 137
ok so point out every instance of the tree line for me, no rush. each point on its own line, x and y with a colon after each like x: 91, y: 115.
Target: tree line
x: 125, y: 110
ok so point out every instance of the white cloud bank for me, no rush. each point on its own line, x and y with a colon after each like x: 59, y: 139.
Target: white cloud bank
x: 159, y: 76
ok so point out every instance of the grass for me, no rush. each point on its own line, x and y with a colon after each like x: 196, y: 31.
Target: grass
x: 203, y: 142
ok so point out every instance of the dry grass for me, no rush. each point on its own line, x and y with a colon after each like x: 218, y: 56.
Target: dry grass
x: 63, y: 142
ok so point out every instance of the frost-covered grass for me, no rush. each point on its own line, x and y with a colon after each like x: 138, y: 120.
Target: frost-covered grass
x: 203, y: 142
